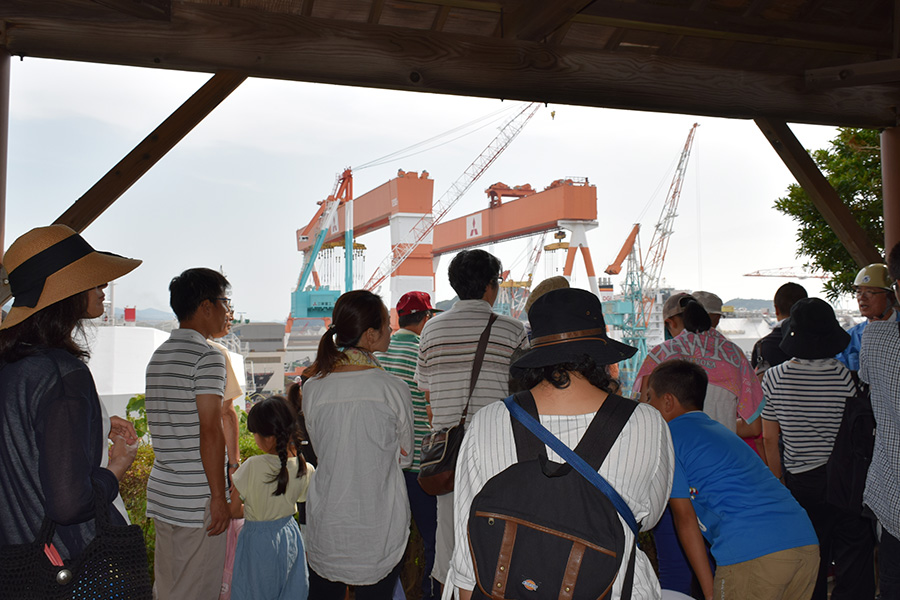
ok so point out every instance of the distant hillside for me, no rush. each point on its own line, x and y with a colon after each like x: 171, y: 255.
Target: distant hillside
x: 446, y: 304
x: 750, y: 304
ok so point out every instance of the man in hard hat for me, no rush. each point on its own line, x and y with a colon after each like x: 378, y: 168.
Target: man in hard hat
x: 878, y: 359
x: 874, y: 293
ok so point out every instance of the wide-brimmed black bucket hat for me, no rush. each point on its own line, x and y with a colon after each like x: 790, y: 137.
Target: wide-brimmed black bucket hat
x: 567, y: 324
x: 813, y: 331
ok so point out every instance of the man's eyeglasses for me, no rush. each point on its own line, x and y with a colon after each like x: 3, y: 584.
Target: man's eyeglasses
x: 870, y: 293
x: 226, y: 302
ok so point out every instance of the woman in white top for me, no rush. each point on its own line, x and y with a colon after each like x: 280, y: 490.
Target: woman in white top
x: 568, y: 376
x: 359, y: 420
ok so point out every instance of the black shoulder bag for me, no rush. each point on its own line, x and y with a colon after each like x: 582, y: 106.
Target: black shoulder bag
x: 440, y: 449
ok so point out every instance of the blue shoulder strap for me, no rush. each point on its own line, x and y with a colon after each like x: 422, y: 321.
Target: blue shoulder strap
x: 535, y: 427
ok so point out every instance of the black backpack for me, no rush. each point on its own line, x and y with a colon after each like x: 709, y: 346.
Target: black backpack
x: 541, y: 530
x: 848, y: 464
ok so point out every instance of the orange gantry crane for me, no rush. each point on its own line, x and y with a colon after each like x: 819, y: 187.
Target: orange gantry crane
x: 569, y: 204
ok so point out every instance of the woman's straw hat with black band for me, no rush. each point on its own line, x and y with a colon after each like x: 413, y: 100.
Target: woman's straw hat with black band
x: 49, y: 264
x: 567, y: 324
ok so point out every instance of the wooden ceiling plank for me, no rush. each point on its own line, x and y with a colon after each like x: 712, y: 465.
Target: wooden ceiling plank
x: 535, y: 21
x: 375, y: 11
x: 144, y: 9
x: 857, y: 74
x: 820, y: 191
x: 678, y: 21
x: 440, y: 18
x: 755, y: 8
x: 211, y: 38
x: 147, y: 153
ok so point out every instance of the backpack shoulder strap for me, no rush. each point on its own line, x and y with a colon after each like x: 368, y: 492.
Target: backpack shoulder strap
x: 604, y: 429
x: 534, y: 426
x: 528, y: 446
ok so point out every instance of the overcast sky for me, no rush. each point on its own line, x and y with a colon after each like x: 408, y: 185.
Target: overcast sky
x: 233, y: 193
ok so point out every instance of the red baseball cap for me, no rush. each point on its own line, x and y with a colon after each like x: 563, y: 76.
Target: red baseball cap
x: 413, y: 302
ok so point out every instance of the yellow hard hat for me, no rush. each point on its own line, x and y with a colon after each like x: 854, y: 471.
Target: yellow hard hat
x: 874, y: 275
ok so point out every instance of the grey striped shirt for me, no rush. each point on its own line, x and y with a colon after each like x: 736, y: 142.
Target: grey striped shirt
x: 182, y: 368
x: 446, y: 352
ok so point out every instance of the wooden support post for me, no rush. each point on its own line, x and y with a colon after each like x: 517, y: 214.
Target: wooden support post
x: 4, y: 165
x: 146, y: 154
x: 823, y: 196
x: 890, y: 186
x: 4, y: 142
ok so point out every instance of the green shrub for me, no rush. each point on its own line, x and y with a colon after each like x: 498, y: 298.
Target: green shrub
x: 133, y: 488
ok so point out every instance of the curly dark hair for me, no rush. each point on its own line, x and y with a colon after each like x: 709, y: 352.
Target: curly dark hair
x: 558, y: 375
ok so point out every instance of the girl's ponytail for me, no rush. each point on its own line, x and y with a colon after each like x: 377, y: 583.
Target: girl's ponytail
x: 354, y: 313
x: 282, y: 439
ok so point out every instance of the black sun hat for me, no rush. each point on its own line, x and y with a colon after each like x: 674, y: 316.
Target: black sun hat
x: 567, y: 324
x: 813, y: 331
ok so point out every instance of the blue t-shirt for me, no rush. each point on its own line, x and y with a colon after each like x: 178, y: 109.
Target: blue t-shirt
x: 744, y: 512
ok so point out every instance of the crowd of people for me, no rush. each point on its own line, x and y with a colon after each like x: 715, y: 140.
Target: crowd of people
x: 724, y: 459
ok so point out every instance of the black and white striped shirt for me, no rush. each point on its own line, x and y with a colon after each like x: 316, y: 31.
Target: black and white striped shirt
x: 182, y: 368
x: 806, y: 397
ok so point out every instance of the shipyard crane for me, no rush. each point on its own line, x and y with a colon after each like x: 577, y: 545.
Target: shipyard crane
x: 789, y: 272
x: 323, y: 222
x: 632, y: 314
x: 651, y: 267
x: 442, y: 206
x: 516, y: 300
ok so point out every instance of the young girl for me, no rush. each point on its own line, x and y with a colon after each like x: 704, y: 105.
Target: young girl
x: 270, y: 561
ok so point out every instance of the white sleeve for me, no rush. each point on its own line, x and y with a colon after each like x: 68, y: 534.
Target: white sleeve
x: 468, y: 483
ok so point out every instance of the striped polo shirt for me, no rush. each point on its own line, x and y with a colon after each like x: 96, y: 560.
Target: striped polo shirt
x: 182, y: 368
x: 447, y: 350
x: 806, y: 397
x: 400, y: 360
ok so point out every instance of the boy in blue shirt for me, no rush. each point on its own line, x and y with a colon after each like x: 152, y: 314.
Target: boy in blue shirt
x: 763, y: 542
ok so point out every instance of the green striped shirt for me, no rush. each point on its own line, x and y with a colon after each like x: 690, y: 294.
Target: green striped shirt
x: 400, y: 360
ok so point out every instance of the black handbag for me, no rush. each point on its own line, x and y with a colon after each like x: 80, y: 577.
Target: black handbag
x: 440, y: 449
x: 113, y: 565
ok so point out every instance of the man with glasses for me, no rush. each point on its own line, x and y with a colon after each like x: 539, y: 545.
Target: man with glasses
x: 184, y: 401
x: 878, y: 360
x: 874, y: 293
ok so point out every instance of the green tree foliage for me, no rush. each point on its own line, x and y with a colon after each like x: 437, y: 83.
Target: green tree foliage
x: 853, y: 167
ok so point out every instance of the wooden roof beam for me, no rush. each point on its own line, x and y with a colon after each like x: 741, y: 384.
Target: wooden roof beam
x: 143, y: 9
x: 536, y: 21
x: 820, y: 191
x: 690, y: 22
x: 879, y: 71
x: 210, y: 38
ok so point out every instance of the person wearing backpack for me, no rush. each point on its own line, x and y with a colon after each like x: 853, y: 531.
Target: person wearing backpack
x: 567, y: 377
x: 764, y: 544
x: 805, y: 401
